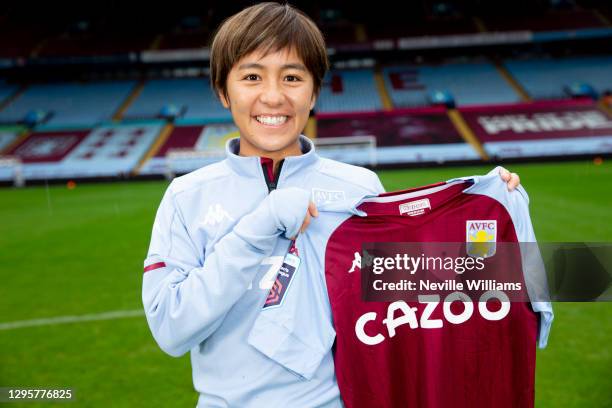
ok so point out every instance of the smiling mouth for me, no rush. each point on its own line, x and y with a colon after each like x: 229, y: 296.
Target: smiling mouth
x: 272, y: 120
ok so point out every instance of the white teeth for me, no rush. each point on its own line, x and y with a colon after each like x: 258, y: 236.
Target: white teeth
x: 272, y: 120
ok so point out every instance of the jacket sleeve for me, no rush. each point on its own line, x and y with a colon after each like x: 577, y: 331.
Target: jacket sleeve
x: 185, y: 299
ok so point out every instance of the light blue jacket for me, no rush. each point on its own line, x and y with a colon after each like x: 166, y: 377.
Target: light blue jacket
x: 218, y: 241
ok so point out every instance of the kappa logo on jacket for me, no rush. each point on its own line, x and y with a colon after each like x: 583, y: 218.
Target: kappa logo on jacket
x: 215, y: 215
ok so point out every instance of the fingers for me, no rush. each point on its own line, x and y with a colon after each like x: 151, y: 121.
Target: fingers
x: 306, y: 223
x: 504, y: 174
x: 312, y: 209
x: 312, y: 212
x: 512, y: 179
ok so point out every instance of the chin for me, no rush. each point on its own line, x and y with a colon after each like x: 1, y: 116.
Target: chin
x: 274, y: 144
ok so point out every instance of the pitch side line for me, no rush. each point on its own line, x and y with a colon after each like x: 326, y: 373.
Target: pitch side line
x: 51, y: 321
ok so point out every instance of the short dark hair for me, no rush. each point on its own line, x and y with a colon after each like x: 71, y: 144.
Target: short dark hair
x: 270, y: 27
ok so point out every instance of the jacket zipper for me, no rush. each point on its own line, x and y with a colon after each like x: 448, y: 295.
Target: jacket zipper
x: 267, y: 166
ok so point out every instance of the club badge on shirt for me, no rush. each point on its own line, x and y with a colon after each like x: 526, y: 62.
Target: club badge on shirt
x: 481, y: 236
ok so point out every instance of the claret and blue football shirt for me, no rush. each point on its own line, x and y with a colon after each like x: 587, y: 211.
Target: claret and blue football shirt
x: 478, y: 362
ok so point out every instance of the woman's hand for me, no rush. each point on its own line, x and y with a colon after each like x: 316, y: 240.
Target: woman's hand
x: 512, y: 179
x: 312, y: 212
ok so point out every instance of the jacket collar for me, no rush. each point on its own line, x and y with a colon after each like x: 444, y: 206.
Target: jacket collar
x: 250, y: 166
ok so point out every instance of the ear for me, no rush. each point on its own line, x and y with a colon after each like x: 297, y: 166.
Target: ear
x: 313, y: 100
x: 224, y: 100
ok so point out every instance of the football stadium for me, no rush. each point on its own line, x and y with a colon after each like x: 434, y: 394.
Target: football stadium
x: 102, y: 105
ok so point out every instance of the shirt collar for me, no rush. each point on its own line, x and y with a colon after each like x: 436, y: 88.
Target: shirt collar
x: 250, y: 166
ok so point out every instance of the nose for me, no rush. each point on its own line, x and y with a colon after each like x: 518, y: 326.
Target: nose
x: 272, y: 94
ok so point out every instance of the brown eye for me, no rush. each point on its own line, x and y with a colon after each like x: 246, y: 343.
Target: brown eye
x: 292, y: 78
x: 251, y: 77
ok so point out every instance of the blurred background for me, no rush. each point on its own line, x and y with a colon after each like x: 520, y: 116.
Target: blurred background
x: 101, y: 103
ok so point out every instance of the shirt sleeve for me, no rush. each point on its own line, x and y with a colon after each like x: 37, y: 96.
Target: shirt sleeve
x: 186, y: 293
x: 517, y: 204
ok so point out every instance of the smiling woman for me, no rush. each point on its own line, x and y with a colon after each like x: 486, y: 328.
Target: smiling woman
x: 267, y: 66
x: 270, y: 97
x: 224, y: 232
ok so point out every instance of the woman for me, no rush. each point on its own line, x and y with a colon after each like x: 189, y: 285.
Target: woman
x: 221, y: 232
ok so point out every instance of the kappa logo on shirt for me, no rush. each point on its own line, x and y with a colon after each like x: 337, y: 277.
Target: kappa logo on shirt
x: 357, y: 261
x: 215, y: 215
x: 321, y: 196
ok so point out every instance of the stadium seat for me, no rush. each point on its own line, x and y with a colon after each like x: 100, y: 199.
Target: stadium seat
x: 349, y: 91
x: 71, y: 104
x: 6, y: 90
x: 470, y: 83
x: 548, y: 78
x: 191, y: 95
x: 113, y: 150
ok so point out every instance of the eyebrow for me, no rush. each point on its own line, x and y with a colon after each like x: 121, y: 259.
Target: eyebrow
x: 255, y: 65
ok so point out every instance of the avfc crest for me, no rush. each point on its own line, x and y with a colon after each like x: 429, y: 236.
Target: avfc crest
x: 480, y: 236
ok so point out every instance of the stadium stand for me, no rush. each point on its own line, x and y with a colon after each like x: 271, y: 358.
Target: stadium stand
x: 19, y: 38
x: 547, y: 78
x: 413, y: 29
x: 203, y: 138
x: 192, y: 96
x: 191, y: 32
x: 425, y: 86
x: 114, y: 34
x: 551, y: 20
x: 540, y: 129
x: 7, y: 136
x: 70, y: 104
x: 402, y: 136
x: 106, y: 151
x: 6, y: 90
x: 349, y: 91
x: 410, y: 85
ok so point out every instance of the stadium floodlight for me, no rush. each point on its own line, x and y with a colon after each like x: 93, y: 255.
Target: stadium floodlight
x: 11, y: 169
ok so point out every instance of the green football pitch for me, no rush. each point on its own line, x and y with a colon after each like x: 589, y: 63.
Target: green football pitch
x: 79, y: 252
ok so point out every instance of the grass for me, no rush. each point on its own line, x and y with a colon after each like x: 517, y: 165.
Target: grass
x: 72, y: 252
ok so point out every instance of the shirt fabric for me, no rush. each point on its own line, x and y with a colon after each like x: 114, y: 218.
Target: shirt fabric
x: 475, y: 363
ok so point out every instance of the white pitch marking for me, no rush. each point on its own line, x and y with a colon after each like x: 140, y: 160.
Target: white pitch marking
x: 51, y: 321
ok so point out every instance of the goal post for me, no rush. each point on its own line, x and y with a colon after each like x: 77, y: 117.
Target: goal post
x: 11, y: 168
x: 181, y: 161
x: 359, y: 150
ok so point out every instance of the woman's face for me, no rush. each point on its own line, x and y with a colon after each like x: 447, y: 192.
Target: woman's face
x: 270, y: 99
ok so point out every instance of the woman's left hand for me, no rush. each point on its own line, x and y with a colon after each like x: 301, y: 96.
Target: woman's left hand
x: 512, y: 179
